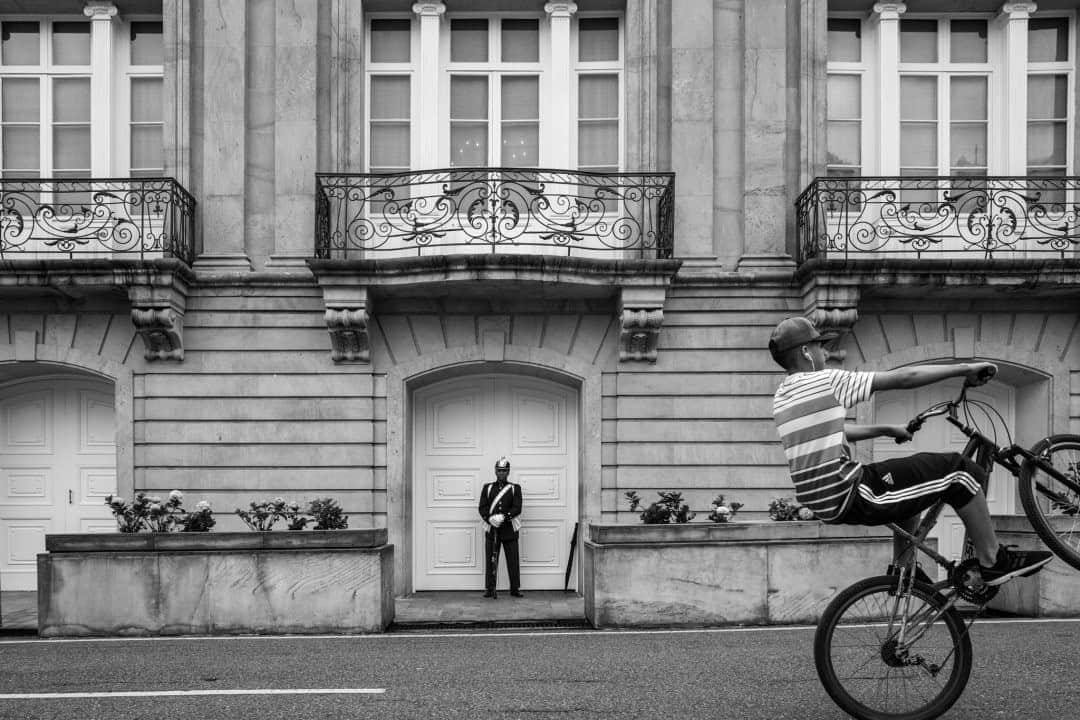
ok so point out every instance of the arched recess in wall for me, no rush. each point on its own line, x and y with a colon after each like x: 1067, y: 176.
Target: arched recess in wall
x: 1041, y: 383
x: 53, y: 359
x: 402, y: 380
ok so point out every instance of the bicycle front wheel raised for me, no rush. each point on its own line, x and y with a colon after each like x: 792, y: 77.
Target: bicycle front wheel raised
x: 884, y: 657
x: 1050, y: 494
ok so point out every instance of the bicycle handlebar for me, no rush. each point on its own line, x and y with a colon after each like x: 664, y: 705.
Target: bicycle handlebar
x: 949, y: 406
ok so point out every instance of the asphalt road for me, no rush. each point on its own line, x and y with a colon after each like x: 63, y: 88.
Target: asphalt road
x: 1024, y: 669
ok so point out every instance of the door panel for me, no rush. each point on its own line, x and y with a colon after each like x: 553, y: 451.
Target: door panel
x: 465, y: 426
x: 57, y: 465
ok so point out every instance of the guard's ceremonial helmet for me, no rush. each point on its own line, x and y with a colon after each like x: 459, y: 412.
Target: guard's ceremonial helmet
x: 502, y: 464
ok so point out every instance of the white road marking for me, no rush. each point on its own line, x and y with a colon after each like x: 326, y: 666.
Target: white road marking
x: 188, y: 693
x: 387, y: 637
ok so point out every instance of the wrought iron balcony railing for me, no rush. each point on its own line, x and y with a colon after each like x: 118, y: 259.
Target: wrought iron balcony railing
x: 939, y: 217
x: 140, y: 218
x: 494, y: 210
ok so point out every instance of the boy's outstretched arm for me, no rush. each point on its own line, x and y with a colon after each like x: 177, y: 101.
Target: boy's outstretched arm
x: 855, y: 433
x: 975, y: 373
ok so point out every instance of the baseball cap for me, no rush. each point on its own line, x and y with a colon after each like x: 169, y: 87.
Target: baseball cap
x: 793, y: 332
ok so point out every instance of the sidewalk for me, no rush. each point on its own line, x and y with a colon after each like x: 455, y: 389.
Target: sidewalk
x: 18, y: 612
x: 542, y: 608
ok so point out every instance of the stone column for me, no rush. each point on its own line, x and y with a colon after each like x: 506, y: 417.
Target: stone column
x: 560, y: 125
x: 295, y: 132
x: 728, y: 91
x: 1014, y: 21
x: 887, y: 15
x: 427, y: 151
x: 101, y: 89
x: 177, y: 39
x: 766, y: 195
x: 218, y: 135
x: 692, y: 126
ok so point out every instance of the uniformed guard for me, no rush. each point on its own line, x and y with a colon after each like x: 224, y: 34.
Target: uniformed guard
x: 500, y: 506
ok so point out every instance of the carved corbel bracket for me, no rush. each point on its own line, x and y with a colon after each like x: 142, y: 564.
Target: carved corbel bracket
x: 832, y: 304
x: 348, y: 328
x: 641, y: 313
x: 158, y: 302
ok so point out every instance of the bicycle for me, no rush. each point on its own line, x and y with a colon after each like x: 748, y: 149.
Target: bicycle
x: 895, y: 646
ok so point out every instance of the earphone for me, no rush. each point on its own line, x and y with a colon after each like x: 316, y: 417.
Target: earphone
x: 806, y: 354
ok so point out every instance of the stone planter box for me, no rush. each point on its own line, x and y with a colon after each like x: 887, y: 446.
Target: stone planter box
x: 1052, y: 592
x: 704, y: 574
x: 321, y: 581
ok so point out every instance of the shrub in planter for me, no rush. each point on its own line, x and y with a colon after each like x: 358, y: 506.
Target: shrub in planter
x: 783, y: 508
x: 327, y: 514
x: 670, y: 508
x: 723, y: 512
x: 157, y: 515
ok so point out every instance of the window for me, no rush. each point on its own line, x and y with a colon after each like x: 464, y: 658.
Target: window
x: 50, y: 119
x: 499, y: 92
x: 941, y: 105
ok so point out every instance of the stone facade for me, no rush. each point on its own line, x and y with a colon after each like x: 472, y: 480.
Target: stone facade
x: 260, y: 97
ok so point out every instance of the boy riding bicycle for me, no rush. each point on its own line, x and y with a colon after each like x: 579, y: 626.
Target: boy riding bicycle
x: 810, y: 408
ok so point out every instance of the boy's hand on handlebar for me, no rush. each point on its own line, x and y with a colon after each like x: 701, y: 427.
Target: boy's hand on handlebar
x: 900, y: 432
x: 979, y: 373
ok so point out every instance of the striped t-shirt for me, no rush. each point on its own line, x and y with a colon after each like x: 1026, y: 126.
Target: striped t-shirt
x: 809, y: 409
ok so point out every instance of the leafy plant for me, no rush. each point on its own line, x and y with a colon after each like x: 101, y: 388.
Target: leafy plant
x: 669, y: 508
x: 157, y: 515
x: 723, y: 512
x: 327, y: 514
x: 787, y: 509
x: 201, y: 519
x: 261, y: 516
x: 296, y: 520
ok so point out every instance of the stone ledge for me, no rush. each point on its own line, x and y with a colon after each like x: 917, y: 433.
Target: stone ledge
x: 213, y: 541
x: 732, y: 532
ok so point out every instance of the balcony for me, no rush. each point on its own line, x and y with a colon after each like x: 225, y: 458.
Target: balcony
x: 939, y: 218
x: 929, y: 237
x: 80, y: 237
x: 495, y: 210
x: 115, y: 219
x: 502, y: 234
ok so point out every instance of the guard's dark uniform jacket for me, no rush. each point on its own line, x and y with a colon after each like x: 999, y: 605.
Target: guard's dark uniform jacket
x: 510, y: 507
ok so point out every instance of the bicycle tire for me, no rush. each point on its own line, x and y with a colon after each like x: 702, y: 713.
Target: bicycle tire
x: 850, y: 653
x: 1054, y: 511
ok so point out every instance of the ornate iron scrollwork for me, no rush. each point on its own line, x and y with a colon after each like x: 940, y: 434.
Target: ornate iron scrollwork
x: 946, y: 217
x: 494, y: 210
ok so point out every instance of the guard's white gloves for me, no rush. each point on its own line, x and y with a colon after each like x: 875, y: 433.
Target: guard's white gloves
x: 496, y: 520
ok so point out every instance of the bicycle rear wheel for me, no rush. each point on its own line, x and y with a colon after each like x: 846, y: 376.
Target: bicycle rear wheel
x: 870, y: 674
x: 1050, y: 494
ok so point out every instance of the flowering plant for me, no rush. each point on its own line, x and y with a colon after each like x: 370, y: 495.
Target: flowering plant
x: 157, y: 515
x: 261, y: 516
x: 294, y: 517
x: 723, y: 512
x: 201, y: 519
x: 787, y: 509
x: 670, y: 508
x: 129, y: 518
x: 327, y: 514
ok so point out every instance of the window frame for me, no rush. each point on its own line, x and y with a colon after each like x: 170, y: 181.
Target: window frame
x: 391, y: 69
x: 579, y: 68
x: 1067, y: 68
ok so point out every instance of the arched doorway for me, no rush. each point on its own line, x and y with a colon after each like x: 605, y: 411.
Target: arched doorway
x: 460, y: 427
x: 57, y: 465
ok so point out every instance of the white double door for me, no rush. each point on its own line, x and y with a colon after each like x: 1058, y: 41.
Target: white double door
x: 938, y: 435
x: 460, y: 428
x: 57, y: 465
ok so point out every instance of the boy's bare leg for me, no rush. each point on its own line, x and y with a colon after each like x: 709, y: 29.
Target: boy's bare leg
x: 976, y: 517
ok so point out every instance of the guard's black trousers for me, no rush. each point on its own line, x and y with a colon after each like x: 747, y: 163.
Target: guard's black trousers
x: 491, y: 563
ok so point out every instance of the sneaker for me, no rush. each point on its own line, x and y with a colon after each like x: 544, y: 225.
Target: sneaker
x: 1014, y: 563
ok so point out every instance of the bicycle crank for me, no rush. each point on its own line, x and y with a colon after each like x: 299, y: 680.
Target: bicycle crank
x: 969, y: 585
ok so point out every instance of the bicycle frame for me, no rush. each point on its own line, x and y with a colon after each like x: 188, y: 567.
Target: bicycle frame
x: 985, y: 452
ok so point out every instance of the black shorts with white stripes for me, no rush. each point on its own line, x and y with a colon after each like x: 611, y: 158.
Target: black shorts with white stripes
x: 897, y: 489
